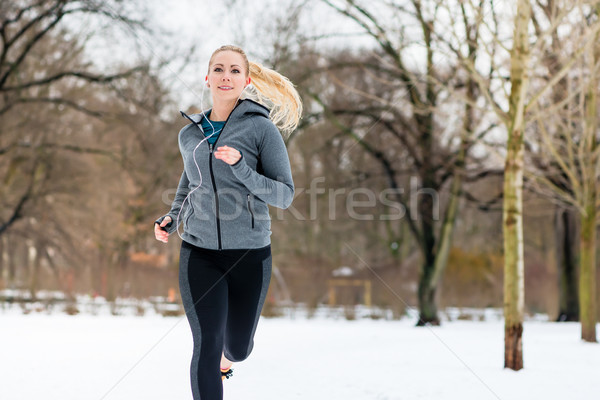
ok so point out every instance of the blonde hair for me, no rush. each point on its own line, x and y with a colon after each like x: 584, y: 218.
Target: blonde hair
x: 271, y: 89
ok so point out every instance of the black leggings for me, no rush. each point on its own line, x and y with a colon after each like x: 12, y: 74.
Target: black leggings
x: 223, y: 292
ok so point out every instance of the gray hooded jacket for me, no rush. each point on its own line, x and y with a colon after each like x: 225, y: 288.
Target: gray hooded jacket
x: 228, y: 205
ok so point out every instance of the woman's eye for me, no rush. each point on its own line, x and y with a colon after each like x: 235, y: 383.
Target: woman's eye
x: 236, y: 71
x: 217, y: 69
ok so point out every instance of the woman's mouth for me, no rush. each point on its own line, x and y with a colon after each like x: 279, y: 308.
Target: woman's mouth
x: 225, y: 87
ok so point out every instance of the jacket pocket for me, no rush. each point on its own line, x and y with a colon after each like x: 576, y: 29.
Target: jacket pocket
x: 250, y: 210
x: 186, y: 217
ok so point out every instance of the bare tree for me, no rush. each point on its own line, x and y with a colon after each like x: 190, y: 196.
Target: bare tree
x: 82, y: 148
x: 521, y: 105
x: 413, y: 106
x: 513, y: 191
x: 569, y: 153
x: 29, y: 76
x: 566, y: 217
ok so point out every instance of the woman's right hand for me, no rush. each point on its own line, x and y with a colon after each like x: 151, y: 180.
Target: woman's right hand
x: 161, y: 235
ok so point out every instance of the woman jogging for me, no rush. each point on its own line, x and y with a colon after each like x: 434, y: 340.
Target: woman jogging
x: 235, y: 165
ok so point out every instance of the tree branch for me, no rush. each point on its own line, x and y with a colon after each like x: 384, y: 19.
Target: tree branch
x: 18, y: 210
x: 390, y: 173
x: 78, y: 74
x: 14, y: 65
x: 484, y: 205
x: 565, y: 69
x: 55, y: 100
x: 74, y: 148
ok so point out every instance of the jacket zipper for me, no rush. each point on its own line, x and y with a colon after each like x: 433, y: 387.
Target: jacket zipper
x: 251, y: 213
x: 212, y: 176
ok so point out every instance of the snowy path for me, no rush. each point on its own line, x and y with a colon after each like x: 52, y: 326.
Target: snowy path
x: 109, y: 358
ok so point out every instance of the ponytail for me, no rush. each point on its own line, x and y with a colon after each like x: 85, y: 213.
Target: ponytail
x: 278, y: 93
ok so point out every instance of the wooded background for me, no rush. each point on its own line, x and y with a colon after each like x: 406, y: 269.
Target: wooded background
x: 398, y: 163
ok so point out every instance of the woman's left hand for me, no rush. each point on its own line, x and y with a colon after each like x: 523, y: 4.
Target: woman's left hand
x: 228, y: 154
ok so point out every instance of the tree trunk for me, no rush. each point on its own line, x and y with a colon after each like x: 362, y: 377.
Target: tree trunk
x: 436, y: 260
x: 587, y: 275
x: 439, y: 255
x: 109, y: 281
x: 34, y: 268
x: 513, y: 258
x: 567, y: 259
x: 432, y: 277
x: 3, y: 263
x: 587, y: 266
x: 427, y: 288
x: 427, y: 306
x: 447, y: 229
x: 11, y: 263
x: 513, y: 193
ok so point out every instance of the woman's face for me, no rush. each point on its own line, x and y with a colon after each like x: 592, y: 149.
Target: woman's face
x: 227, y: 76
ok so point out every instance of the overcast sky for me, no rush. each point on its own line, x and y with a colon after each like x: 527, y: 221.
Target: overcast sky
x: 247, y: 23
x: 183, y: 24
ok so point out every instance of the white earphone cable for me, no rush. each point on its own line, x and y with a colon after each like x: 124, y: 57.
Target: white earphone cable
x: 195, y: 148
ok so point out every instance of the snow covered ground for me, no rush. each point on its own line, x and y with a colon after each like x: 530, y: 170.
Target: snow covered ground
x: 103, y: 357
